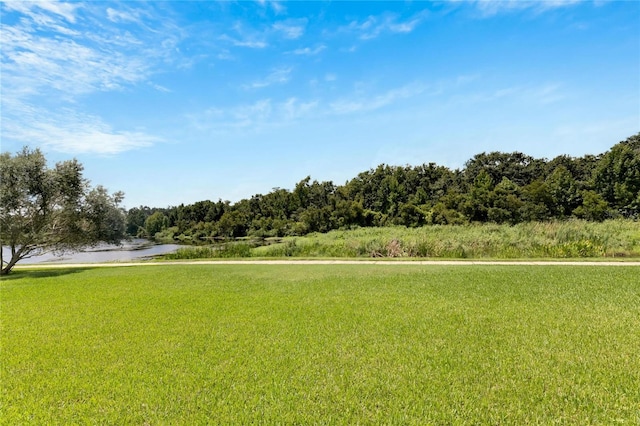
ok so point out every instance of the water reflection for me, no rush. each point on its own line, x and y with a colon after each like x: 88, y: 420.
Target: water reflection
x: 133, y: 250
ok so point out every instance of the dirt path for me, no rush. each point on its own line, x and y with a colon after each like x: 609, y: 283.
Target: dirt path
x: 336, y: 262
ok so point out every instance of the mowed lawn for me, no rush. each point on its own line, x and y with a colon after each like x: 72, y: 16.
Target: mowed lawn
x: 321, y: 344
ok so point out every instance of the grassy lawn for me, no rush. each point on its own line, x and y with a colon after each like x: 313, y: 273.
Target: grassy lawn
x: 331, y: 344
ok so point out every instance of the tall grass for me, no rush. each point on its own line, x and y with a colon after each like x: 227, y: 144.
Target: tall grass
x: 571, y: 239
x: 229, y: 250
x: 555, y: 240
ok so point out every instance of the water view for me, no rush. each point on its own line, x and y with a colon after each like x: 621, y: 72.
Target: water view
x: 133, y: 250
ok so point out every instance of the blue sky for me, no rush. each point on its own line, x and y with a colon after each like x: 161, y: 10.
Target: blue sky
x: 176, y: 102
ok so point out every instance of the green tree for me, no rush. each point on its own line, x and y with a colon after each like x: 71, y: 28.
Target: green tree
x: 155, y: 223
x: 479, y: 198
x: 506, y: 203
x: 593, y: 207
x: 536, y: 201
x: 617, y: 176
x: 412, y: 215
x: 519, y: 168
x: 135, y: 220
x: 233, y: 224
x: 52, y: 210
x: 563, y: 190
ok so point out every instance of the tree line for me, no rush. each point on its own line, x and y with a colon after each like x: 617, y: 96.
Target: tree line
x: 491, y: 187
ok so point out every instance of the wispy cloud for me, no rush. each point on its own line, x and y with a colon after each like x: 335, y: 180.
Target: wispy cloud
x: 543, y: 94
x: 253, y: 117
x: 69, y: 131
x: 358, y: 104
x: 121, y: 16
x: 294, y: 109
x: 374, y: 26
x: 33, y: 65
x: 250, y: 43
x: 277, y: 76
x: 34, y: 10
x: 291, y: 28
x: 276, y: 6
x: 268, y: 114
x: 308, y: 51
x: 490, y: 8
x: 52, y: 55
x: 245, y: 36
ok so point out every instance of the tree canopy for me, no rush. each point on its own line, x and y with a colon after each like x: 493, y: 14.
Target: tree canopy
x: 492, y: 187
x: 52, y: 209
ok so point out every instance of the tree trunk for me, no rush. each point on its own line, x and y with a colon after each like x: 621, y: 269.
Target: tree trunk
x: 16, y: 255
x: 5, y: 270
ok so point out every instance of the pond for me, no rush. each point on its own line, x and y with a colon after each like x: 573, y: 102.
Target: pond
x: 132, y: 250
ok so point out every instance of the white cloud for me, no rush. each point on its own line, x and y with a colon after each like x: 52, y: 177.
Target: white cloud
x: 248, y: 116
x: 277, y: 76
x: 258, y: 111
x: 254, y: 117
x: 374, y: 26
x: 225, y: 55
x: 291, y: 28
x: 160, y: 88
x: 69, y: 131
x: 358, y: 104
x: 307, y: 51
x: 276, y: 6
x: 254, y: 44
x: 77, y: 55
x: 35, y: 10
x: 120, y: 16
x: 293, y: 109
x: 267, y: 114
x: 79, y: 58
x: 542, y: 95
x: 52, y: 56
x: 250, y: 43
x: 36, y: 64
x: 65, y: 10
x: 490, y: 8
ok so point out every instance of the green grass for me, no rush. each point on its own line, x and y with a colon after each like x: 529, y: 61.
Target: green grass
x: 550, y: 240
x: 570, y: 239
x: 229, y: 250
x: 336, y: 344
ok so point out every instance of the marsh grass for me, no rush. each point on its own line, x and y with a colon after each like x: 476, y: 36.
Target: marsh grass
x: 570, y: 239
x: 546, y: 240
x: 341, y: 344
x: 220, y: 251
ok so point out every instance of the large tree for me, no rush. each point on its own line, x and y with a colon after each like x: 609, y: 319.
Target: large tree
x: 617, y: 176
x: 52, y: 209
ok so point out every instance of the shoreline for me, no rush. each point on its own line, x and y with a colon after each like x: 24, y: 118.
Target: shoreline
x: 338, y: 262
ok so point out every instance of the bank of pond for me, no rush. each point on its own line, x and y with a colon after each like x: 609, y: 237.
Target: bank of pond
x: 568, y: 239
x: 132, y: 250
